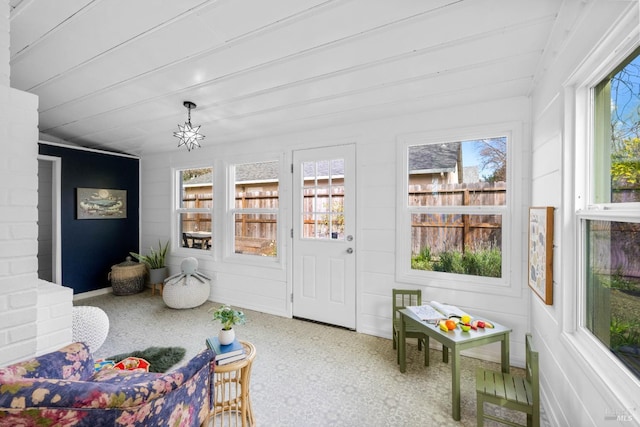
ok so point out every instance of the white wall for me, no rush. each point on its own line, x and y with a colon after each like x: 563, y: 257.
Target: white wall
x: 35, y: 316
x: 267, y: 289
x: 576, y: 389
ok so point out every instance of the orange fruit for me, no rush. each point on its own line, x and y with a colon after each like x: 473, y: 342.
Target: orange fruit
x: 451, y: 324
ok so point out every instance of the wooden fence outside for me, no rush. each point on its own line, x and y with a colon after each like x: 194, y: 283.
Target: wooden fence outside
x: 614, y: 247
x: 195, y: 221
x: 438, y: 232
x: 263, y: 226
x: 456, y: 232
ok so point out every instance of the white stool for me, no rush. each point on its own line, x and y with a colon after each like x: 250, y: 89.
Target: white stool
x: 187, y: 292
x: 90, y: 326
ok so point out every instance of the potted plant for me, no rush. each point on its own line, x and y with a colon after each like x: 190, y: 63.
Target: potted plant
x: 155, y: 262
x: 228, y: 317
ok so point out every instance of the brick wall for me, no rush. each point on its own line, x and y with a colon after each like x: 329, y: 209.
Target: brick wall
x: 54, y: 319
x: 4, y: 43
x: 34, y: 316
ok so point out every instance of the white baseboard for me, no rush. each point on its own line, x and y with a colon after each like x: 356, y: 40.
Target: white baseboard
x: 84, y: 295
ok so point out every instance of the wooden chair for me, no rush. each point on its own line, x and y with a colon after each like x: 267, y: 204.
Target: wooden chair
x: 401, y: 299
x: 185, y: 240
x: 197, y: 243
x: 512, y: 392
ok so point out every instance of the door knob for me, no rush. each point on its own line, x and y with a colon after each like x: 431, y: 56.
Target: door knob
x: 349, y: 250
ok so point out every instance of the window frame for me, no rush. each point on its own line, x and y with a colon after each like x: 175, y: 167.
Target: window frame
x: 451, y: 281
x: 177, y: 210
x: 230, y: 211
x: 590, y: 209
x: 590, y: 355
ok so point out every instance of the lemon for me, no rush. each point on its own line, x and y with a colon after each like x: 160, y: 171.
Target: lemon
x: 466, y: 319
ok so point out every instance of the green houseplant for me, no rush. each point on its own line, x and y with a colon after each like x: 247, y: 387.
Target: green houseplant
x: 155, y: 262
x: 156, y: 258
x: 228, y: 317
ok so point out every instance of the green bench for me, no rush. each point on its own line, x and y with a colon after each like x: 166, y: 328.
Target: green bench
x: 509, y: 391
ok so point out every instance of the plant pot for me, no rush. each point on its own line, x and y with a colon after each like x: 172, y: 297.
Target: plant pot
x: 226, y: 336
x: 157, y: 275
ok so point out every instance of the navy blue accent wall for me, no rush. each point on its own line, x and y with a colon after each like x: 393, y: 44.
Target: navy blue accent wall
x: 91, y: 246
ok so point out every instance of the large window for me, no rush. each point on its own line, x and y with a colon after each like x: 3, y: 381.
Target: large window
x: 610, y: 218
x: 255, y: 208
x: 194, y: 207
x: 456, y: 204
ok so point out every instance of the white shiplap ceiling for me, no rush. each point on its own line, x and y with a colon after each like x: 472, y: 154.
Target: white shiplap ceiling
x: 113, y: 74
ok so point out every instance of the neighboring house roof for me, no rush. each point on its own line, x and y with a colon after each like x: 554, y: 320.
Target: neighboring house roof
x: 252, y: 172
x: 268, y: 172
x: 200, y: 180
x: 248, y: 172
x: 433, y: 158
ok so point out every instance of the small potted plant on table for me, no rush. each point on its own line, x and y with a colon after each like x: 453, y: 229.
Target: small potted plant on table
x: 228, y: 317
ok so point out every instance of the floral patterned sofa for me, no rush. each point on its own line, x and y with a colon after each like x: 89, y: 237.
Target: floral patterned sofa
x: 63, y: 389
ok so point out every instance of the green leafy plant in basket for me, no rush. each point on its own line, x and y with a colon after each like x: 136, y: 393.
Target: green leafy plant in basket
x: 228, y: 317
x: 156, y: 258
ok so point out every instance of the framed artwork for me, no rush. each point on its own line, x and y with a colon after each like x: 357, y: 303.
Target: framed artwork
x: 541, y: 252
x: 101, y: 203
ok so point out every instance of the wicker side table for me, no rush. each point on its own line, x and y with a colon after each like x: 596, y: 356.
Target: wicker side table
x: 232, y: 401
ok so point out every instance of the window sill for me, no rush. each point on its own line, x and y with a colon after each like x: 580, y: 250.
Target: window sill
x: 460, y: 282
x: 606, y: 372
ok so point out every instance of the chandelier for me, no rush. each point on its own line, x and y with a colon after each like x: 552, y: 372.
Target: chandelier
x: 188, y: 134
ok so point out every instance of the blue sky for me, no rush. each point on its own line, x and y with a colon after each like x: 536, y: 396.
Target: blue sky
x: 471, y: 156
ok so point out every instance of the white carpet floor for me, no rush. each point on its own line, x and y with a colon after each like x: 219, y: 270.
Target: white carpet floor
x: 306, y: 374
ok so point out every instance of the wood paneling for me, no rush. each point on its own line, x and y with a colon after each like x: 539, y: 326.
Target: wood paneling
x: 113, y: 74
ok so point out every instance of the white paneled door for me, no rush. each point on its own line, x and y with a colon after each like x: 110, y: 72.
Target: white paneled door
x: 324, y: 241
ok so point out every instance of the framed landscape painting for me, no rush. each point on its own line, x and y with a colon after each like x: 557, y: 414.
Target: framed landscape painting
x: 541, y: 252
x: 101, y: 203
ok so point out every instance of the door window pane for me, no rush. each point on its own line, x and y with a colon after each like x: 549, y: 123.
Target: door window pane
x: 323, y: 200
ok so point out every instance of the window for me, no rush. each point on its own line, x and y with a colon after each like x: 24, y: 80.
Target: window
x: 194, y: 206
x: 610, y: 217
x: 255, y: 208
x: 455, y: 206
x: 323, y: 200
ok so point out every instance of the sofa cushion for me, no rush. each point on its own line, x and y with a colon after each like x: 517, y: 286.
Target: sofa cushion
x: 73, y: 362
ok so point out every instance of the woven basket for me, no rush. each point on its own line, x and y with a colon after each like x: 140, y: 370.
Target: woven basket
x: 128, y: 277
